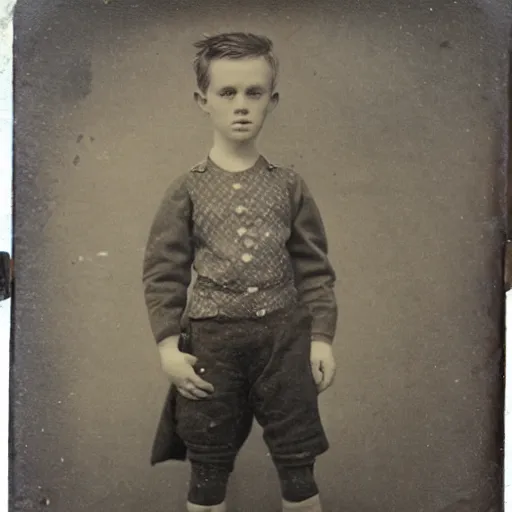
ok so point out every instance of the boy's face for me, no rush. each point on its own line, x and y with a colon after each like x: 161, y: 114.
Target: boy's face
x: 239, y: 97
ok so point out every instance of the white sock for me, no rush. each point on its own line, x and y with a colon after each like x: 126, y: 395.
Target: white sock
x: 310, y: 505
x: 191, y: 507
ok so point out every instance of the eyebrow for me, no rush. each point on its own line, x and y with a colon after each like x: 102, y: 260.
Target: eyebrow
x: 256, y: 88
x: 250, y: 88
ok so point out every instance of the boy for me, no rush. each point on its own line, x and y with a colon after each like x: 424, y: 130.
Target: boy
x: 262, y: 311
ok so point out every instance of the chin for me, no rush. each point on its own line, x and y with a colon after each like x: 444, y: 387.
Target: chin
x: 242, y: 136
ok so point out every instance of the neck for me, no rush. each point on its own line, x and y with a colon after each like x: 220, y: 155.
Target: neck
x: 233, y: 156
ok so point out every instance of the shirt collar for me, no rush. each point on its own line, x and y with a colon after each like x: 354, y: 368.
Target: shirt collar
x: 207, y: 163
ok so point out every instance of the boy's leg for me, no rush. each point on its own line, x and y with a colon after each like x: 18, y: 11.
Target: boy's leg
x: 312, y: 504
x: 285, y: 400
x: 207, y: 489
x: 297, y: 483
x: 191, y: 507
x: 298, y: 489
x: 213, y: 429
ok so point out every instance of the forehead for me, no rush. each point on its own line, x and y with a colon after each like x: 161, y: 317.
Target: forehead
x: 245, y: 72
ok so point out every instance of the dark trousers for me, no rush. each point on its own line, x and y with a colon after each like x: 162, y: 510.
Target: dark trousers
x: 260, y: 368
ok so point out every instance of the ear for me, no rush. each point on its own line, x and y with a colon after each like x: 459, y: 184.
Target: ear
x: 200, y: 99
x: 274, y: 100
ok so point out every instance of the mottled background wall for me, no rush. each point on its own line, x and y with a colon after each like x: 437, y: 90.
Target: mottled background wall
x: 394, y: 112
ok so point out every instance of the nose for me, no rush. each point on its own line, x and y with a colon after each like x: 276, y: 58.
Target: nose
x: 241, y: 105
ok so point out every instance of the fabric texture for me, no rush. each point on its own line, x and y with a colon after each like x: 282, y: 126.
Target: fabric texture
x: 257, y: 244
x: 259, y: 368
x: 208, y: 484
x: 255, y: 239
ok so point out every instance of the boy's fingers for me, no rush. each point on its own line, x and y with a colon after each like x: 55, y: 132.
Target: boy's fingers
x: 329, y: 370
x: 317, y: 372
x: 198, y: 382
x: 189, y: 390
x: 200, y: 394
x: 194, y: 390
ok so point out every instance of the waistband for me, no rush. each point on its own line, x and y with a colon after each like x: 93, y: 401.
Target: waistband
x: 208, y: 299
x: 209, y: 284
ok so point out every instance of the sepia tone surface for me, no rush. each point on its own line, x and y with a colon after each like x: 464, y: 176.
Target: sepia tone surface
x: 395, y: 115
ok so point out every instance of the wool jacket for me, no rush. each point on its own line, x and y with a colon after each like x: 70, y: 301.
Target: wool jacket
x: 255, y: 240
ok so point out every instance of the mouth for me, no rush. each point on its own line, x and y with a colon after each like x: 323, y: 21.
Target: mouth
x: 242, y: 122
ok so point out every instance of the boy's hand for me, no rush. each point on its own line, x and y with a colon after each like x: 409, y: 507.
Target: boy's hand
x: 179, y: 368
x: 323, y: 364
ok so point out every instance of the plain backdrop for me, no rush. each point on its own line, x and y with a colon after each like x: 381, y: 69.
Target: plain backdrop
x: 394, y: 113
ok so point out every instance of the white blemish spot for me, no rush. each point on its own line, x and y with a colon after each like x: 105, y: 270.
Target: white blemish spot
x: 267, y: 234
x: 102, y: 254
x: 240, y: 209
x: 261, y: 312
x: 241, y: 231
x: 248, y: 243
x: 80, y: 258
x: 252, y: 289
x: 237, y: 186
x: 246, y: 257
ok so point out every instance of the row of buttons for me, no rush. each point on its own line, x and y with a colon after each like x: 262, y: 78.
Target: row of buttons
x: 246, y: 257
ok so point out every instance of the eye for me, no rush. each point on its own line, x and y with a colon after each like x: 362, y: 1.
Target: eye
x: 255, y: 94
x: 227, y: 93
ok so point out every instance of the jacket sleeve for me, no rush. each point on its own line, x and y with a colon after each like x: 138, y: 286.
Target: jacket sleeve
x: 168, y: 258
x: 314, y: 275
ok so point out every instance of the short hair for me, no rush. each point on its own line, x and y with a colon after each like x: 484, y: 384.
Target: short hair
x: 232, y: 45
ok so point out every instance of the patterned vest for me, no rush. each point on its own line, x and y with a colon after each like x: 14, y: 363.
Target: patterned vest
x: 241, y: 224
